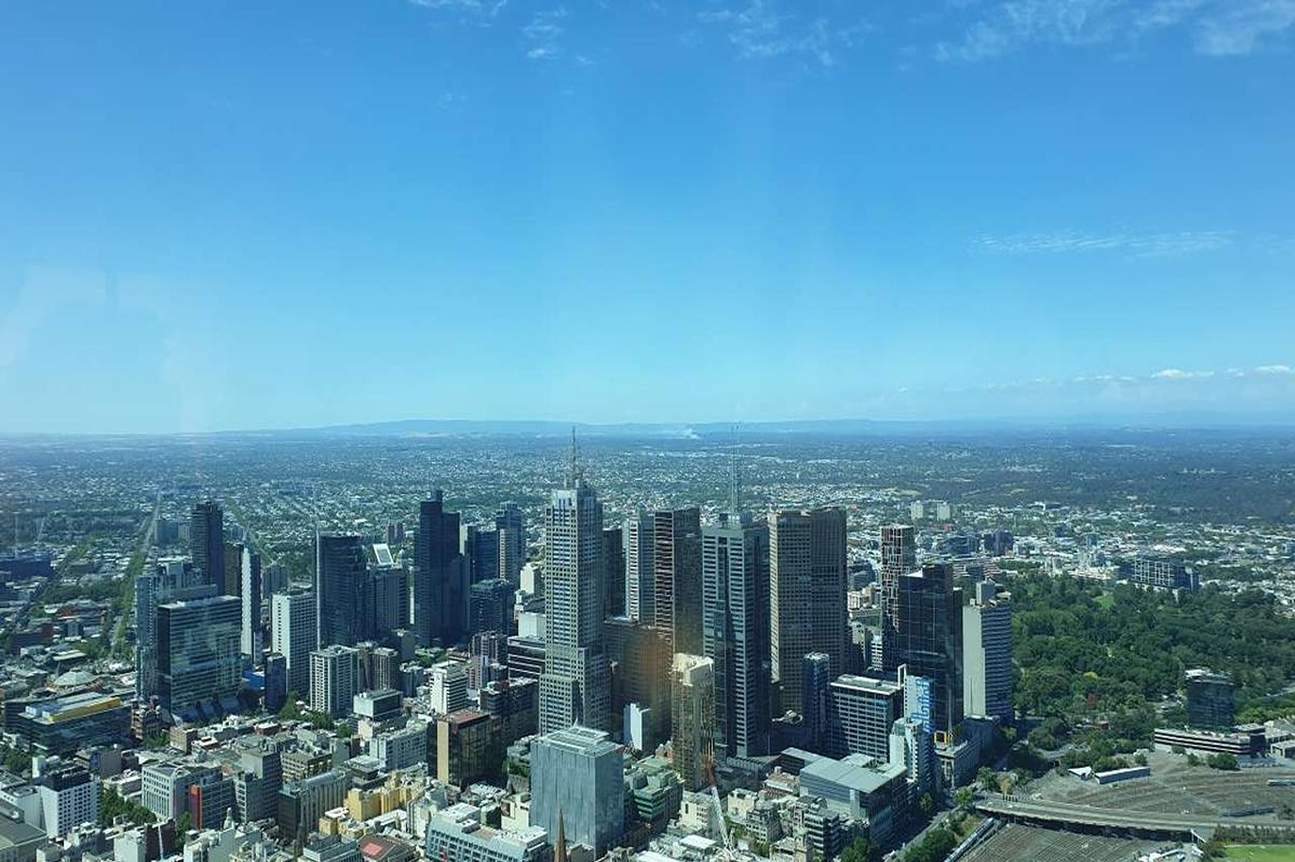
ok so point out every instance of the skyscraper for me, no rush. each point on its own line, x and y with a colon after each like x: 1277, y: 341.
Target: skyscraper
x: 987, y: 653
x: 614, y: 567
x: 231, y: 583
x: 898, y: 557
x: 250, y: 595
x: 676, y: 573
x: 816, y: 674
x: 480, y: 550
x: 735, y: 632
x: 342, y: 590
x: 807, y: 610
x: 640, y: 591
x: 334, y: 679
x: 575, y: 687
x: 930, y: 640
x: 692, y: 718
x: 198, y: 655
x: 207, y: 540
x: 490, y: 607
x: 148, y: 592
x: 293, y: 635
x: 861, y: 714
x: 440, y: 576
x: 511, y: 527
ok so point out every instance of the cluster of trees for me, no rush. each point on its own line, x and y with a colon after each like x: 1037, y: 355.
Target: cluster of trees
x: 935, y: 846
x: 113, y: 805
x: 292, y: 712
x: 1088, y: 656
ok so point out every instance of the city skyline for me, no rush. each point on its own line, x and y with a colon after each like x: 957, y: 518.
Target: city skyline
x: 1027, y: 210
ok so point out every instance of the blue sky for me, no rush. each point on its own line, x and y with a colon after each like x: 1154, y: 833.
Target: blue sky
x: 222, y: 216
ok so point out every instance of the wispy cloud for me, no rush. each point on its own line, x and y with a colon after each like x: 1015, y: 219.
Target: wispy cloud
x: 1214, y: 27
x: 544, y: 33
x: 1139, y: 245
x: 762, y: 29
x: 479, y: 8
x: 1179, y: 374
x: 1240, y: 27
x: 1275, y: 369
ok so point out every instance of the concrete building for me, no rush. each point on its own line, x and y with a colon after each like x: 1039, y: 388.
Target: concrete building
x: 250, y: 636
x: 165, y: 786
x: 861, y: 713
x: 302, y: 803
x: 403, y: 748
x: 69, y: 796
x: 807, y: 606
x: 511, y: 526
x: 862, y: 788
x: 575, y: 687
x: 577, y: 775
x: 293, y: 636
x: 148, y: 595
x: 334, y: 679
x: 258, y: 781
x: 449, y: 687
x: 987, y: 654
x: 458, y: 833
x: 640, y: 592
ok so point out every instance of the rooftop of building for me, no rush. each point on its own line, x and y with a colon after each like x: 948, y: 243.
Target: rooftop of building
x: 867, y: 683
x: 71, y: 706
x: 583, y: 740
x: 856, y: 771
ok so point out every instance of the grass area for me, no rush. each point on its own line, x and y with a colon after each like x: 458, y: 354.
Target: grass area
x: 1262, y: 852
x: 1105, y: 601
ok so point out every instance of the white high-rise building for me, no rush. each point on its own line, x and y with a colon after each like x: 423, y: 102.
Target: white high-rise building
x: 334, y: 679
x: 575, y: 687
x: 250, y: 642
x: 987, y: 654
x: 292, y: 635
x: 148, y: 592
x: 449, y: 687
x: 640, y: 588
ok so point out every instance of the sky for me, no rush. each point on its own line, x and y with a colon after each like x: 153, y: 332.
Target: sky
x: 219, y: 216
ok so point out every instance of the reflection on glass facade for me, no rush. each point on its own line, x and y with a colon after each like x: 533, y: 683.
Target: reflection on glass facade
x: 198, y: 651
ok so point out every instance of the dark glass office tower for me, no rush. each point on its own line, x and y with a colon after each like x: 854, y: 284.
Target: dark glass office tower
x: 930, y: 639
x: 898, y: 557
x: 807, y: 610
x: 614, y: 580
x: 342, y: 590
x: 207, y: 540
x: 735, y: 632
x: 676, y: 570
x: 440, y: 576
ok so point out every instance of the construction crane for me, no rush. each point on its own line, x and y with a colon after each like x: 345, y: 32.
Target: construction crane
x: 729, y: 853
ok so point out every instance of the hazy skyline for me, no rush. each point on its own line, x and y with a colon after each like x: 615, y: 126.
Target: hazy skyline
x: 307, y: 215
